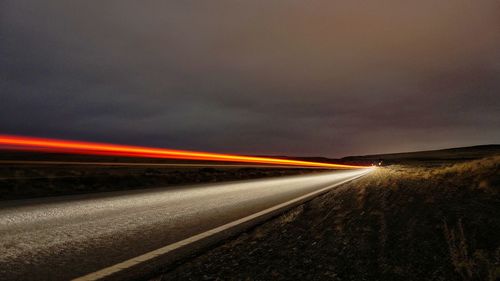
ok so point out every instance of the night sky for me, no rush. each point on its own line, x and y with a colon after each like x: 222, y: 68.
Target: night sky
x: 327, y: 78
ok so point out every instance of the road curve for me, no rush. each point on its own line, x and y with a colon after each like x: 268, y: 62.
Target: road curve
x: 66, y: 237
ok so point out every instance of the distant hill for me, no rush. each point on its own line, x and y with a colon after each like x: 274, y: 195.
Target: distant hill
x: 432, y: 156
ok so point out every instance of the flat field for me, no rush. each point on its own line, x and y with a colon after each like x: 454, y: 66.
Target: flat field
x: 28, y: 175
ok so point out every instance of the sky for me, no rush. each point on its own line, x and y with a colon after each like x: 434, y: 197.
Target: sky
x: 301, y: 78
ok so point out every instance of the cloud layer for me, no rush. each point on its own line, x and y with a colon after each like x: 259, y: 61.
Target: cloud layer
x: 326, y: 78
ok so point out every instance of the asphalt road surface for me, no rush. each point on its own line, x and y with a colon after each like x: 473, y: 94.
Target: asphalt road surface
x: 61, y: 238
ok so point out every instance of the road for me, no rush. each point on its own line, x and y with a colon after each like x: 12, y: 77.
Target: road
x: 61, y: 238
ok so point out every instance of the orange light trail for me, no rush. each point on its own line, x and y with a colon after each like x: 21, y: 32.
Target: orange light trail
x: 91, y: 148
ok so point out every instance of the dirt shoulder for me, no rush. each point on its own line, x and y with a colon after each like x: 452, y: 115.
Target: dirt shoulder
x: 398, y: 223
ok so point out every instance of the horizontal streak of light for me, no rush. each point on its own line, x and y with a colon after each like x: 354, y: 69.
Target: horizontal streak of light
x: 91, y: 148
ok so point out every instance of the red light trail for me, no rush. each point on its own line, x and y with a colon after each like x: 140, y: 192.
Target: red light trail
x: 91, y: 148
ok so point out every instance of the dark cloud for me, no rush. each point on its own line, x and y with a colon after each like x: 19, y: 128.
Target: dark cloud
x: 283, y: 77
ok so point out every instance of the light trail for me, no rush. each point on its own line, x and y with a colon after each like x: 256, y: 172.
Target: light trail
x: 106, y: 149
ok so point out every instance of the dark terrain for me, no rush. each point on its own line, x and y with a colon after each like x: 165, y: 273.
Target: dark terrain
x: 20, y: 181
x: 433, y: 219
x: 429, y: 158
